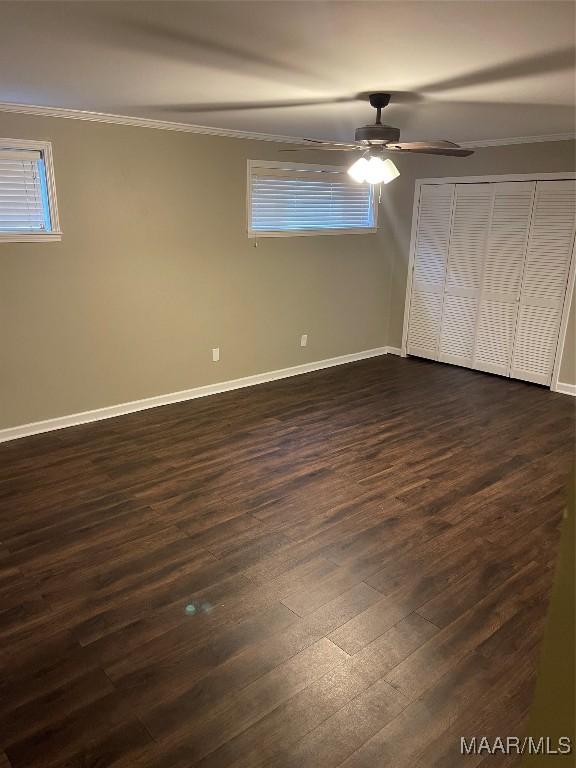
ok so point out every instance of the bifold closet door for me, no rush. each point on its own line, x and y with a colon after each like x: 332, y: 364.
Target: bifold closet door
x: 544, y: 282
x: 470, y: 227
x: 430, y: 258
x: 491, y: 265
x: 502, y: 275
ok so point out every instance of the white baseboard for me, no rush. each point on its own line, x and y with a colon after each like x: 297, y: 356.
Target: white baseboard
x: 566, y: 389
x: 74, y: 419
x: 394, y: 351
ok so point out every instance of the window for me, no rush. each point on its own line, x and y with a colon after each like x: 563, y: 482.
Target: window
x: 28, y: 209
x: 295, y: 199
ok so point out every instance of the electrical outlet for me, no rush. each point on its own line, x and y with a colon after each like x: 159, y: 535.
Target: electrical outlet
x: 304, y: 340
x: 216, y: 354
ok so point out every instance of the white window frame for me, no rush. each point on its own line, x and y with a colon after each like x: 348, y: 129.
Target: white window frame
x: 55, y: 234
x: 278, y: 165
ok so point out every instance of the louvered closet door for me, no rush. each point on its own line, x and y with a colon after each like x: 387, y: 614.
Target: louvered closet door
x: 502, y: 276
x: 430, y: 257
x: 544, y: 281
x: 470, y: 225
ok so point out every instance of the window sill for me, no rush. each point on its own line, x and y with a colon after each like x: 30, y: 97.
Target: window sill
x: 44, y: 237
x: 311, y: 232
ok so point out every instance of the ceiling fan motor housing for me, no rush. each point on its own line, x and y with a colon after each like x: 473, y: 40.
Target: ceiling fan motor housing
x: 377, y: 134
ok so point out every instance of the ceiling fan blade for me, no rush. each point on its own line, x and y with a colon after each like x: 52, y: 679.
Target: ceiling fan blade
x: 447, y: 148
x: 326, y: 148
x: 436, y: 143
x: 330, y: 143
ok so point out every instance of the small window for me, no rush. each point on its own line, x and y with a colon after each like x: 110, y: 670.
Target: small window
x: 28, y: 209
x: 295, y: 199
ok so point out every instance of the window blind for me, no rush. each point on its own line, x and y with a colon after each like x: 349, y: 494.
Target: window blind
x: 24, y: 204
x: 300, y: 201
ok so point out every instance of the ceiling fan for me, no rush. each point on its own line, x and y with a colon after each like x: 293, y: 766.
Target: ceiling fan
x: 375, y: 139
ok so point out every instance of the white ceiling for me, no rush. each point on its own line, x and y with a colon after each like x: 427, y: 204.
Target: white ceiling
x: 465, y: 71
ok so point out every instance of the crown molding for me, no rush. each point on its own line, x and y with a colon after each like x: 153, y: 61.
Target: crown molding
x: 517, y: 140
x: 167, y: 125
x: 142, y: 122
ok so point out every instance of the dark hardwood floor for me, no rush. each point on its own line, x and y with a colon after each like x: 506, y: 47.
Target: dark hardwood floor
x: 347, y: 568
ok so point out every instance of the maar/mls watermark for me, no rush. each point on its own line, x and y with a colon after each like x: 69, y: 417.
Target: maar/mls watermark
x: 515, y: 745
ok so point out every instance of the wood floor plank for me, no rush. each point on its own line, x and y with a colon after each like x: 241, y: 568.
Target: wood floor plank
x: 53, y: 706
x: 410, y: 739
x: 321, y: 571
x: 175, y: 663
x: 284, y: 726
x: 127, y: 742
x: 200, y: 732
x: 342, y: 733
x: 416, y: 588
x: 416, y: 674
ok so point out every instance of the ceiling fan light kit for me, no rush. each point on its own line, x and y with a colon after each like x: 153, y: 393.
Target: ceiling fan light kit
x: 374, y: 170
x: 358, y: 170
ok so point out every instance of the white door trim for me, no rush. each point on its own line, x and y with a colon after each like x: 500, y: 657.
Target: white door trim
x: 566, y: 175
x: 413, y: 231
x: 419, y: 183
x: 564, y: 321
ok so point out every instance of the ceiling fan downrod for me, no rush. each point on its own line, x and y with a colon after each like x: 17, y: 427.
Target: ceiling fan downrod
x: 379, y: 101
